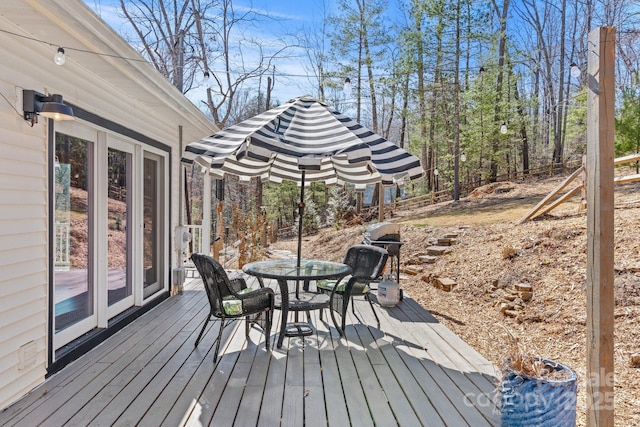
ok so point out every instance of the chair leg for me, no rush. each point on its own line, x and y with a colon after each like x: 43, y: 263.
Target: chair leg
x: 218, y: 340
x: 335, y: 323
x: 267, y: 329
x: 372, y: 308
x: 332, y: 310
x: 202, y: 330
x: 344, y: 314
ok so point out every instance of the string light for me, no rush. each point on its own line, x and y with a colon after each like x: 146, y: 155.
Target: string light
x: 503, y: 128
x: 59, y: 57
x: 574, y: 70
x: 71, y: 48
x: 347, y: 86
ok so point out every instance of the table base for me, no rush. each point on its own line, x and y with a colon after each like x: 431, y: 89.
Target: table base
x: 298, y: 329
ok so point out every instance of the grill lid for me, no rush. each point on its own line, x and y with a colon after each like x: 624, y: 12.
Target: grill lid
x: 383, y: 231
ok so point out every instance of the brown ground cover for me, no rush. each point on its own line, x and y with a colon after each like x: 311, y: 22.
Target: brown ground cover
x: 492, y: 254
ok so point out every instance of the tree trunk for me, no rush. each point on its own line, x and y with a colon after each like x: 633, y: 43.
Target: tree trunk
x: 558, y: 145
x: 493, y: 174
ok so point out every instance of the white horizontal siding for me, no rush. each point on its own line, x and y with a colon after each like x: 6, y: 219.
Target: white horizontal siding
x: 6, y: 243
x: 23, y: 249
x: 22, y: 380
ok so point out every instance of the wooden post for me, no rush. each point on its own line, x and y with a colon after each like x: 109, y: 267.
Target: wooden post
x: 381, y: 202
x: 218, y: 242
x: 206, y: 214
x: 600, y: 241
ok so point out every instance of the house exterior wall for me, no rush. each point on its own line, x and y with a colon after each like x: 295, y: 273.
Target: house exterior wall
x: 128, y: 93
x: 23, y: 252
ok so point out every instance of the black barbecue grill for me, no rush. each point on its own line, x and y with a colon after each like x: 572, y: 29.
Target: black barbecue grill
x: 386, y: 235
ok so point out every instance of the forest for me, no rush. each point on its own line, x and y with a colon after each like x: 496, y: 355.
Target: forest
x: 477, y: 90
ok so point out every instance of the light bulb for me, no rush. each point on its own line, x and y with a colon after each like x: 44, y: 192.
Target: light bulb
x: 59, y: 57
x: 435, y: 172
x: 206, y: 79
x: 463, y: 157
x: 503, y: 128
x: 574, y: 70
x: 347, y: 86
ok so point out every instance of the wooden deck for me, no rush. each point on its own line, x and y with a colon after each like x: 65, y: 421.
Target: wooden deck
x: 410, y: 371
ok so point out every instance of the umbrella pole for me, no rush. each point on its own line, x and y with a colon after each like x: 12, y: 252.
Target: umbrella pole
x: 300, y: 215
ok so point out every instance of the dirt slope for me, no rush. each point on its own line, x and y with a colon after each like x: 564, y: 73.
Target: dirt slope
x: 492, y: 254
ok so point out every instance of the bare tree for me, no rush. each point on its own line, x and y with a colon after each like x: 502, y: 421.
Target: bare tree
x: 192, y: 41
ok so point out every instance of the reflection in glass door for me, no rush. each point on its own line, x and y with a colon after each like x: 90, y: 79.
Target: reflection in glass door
x: 73, y: 225
x: 153, y: 225
x: 119, y: 232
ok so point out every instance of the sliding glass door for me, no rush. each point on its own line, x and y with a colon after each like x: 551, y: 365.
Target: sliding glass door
x: 110, y: 237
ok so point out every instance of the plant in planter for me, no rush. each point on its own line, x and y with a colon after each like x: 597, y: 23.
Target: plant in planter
x: 537, y: 392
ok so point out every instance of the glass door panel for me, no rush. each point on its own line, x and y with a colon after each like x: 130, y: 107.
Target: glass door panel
x: 153, y: 224
x: 73, y: 225
x: 119, y: 232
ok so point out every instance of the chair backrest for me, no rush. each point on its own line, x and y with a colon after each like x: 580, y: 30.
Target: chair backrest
x: 366, y: 261
x: 215, y: 279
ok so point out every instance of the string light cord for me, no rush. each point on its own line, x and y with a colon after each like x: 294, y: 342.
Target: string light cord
x: 74, y: 49
x: 11, y: 104
x: 440, y: 69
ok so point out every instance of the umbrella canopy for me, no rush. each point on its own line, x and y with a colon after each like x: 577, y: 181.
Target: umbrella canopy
x: 303, y: 140
x: 303, y: 135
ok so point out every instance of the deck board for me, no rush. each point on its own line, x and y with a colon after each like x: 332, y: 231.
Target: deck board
x: 408, y: 370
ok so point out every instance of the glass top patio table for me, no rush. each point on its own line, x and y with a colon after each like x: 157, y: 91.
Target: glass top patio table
x: 285, y: 270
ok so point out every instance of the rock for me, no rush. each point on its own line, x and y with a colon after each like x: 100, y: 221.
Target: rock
x: 635, y: 360
x: 510, y: 297
x: 523, y: 287
x: 428, y: 259
x: 437, y: 250
x: 526, y: 296
x: 446, y: 241
x: 450, y: 236
x: 444, y: 283
x: 511, y: 313
x: 411, y: 271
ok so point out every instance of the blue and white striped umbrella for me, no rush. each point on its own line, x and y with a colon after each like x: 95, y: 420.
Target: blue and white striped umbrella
x: 303, y: 135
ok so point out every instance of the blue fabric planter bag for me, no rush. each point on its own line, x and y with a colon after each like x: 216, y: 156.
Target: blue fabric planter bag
x: 547, y: 401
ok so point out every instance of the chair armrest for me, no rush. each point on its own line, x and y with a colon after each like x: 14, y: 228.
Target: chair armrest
x: 256, y: 292
x: 258, y: 295
x: 237, y: 281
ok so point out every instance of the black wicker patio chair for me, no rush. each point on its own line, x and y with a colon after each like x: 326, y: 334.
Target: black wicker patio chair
x: 367, y: 263
x: 230, y: 299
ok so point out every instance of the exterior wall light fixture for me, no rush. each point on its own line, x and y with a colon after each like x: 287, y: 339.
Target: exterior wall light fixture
x: 50, y: 106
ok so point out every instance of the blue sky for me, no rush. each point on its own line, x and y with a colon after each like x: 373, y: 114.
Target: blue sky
x: 289, y: 16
